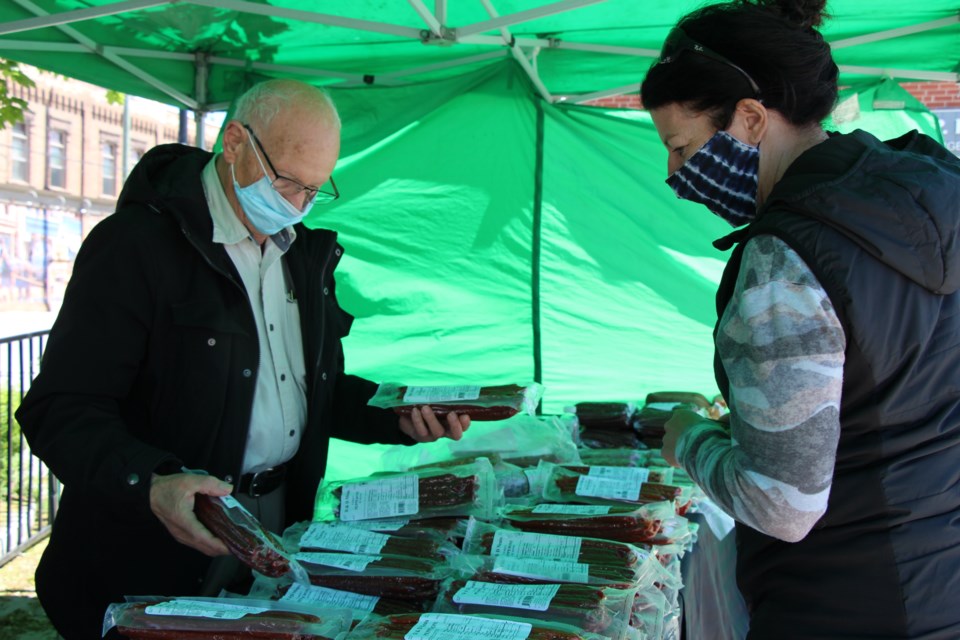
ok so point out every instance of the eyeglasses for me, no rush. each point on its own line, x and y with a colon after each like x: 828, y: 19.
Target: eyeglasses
x: 678, y: 41
x: 287, y: 186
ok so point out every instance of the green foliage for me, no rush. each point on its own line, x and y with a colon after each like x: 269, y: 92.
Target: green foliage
x: 115, y: 97
x: 9, y: 436
x: 11, y: 107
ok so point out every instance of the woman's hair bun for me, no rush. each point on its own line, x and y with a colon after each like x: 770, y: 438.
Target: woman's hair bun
x: 805, y: 13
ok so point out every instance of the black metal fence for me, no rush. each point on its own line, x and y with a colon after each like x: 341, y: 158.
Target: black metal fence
x: 29, y: 493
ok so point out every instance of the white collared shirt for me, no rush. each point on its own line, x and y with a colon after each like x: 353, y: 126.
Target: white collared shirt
x: 280, y: 400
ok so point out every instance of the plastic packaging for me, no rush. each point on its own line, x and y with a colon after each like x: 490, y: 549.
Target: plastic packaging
x: 157, y: 618
x: 625, y: 523
x: 522, y: 440
x: 245, y: 537
x: 618, y: 457
x: 609, y: 560
x: 480, y: 403
x: 429, y: 626
x: 511, y: 570
x: 594, y: 608
x: 462, y: 490
x: 605, y: 415
x: 334, y: 536
x: 393, y: 577
x: 608, y: 486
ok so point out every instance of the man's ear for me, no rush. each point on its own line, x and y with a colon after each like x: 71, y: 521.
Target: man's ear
x: 234, y: 136
x: 751, y: 119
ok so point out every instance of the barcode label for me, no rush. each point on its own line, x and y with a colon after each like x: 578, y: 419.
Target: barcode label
x: 447, y: 626
x: 202, y: 609
x: 383, y: 498
x: 426, y: 395
x: 516, y: 544
x: 573, y: 509
x: 535, y: 597
x: 312, y: 594
x: 553, y: 570
x: 627, y: 474
x: 347, y: 561
x: 332, y: 537
x: 625, y: 490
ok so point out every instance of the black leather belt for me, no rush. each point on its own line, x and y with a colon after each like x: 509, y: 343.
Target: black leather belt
x: 262, y: 482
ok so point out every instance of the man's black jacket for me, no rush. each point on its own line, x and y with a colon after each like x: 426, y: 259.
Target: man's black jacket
x: 153, y: 361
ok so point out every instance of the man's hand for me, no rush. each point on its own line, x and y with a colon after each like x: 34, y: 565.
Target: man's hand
x: 171, y: 500
x: 423, y: 425
x: 679, y: 422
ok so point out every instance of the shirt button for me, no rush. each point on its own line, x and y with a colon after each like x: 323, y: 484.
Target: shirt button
x: 326, y: 291
x: 283, y: 377
x: 323, y: 376
x: 271, y: 327
x: 247, y: 373
x: 292, y: 433
x: 337, y: 252
x: 133, y: 479
x: 228, y: 478
x: 211, y: 342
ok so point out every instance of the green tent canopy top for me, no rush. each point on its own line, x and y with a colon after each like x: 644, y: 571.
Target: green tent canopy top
x: 197, y: 53
x: 495, y: 231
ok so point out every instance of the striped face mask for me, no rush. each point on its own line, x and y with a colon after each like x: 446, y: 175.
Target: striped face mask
x: 722, y: 175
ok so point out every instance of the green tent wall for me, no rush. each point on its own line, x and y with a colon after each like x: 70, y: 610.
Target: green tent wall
x: 493, y: 237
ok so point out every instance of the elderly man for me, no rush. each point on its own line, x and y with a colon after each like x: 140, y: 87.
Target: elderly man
x: 200, y: 329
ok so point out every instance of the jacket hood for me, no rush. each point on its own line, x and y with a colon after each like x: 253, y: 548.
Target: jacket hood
x: 899, y: 200
x: 167, y: 178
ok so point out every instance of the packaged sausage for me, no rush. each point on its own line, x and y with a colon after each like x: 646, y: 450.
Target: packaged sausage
x: 431, y: 492
x: 393, y: 577
x: 245, y: 537
x: 605, y: 415
x: 519, y: 570
x: 219, y: 618
x: 608, y: 485
x: 433, y: 626
x: 478, y: 402
x: 625, y: 523
x: 335, y: 536
x: 593, y: 608
x: 610, y: 560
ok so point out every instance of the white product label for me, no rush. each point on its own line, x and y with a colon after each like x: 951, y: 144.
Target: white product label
x: 338, y: 538
x: 573, y: 509
x: 388, y: 524
x: 426, y: 395
x: 447, y: 626
x: 348, y: 561
x: 199, y: 609
x: 535, y: 597
x: 612, y: 489
x: 556, y: 570
x: 384, y: 498
x: 517, y: 544
x: 628, y: 474
x: 311, y: 594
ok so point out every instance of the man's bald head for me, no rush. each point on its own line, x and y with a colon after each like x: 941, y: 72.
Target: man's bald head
x: 260, y: 104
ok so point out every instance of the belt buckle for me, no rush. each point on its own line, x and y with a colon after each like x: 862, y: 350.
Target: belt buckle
x: 253, y: 490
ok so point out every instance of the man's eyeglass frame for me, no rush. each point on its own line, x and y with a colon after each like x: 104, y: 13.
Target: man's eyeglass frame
x: 678, y: 41
x: 312, y: 192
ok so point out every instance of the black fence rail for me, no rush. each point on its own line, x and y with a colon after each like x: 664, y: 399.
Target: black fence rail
x: 29, y: 493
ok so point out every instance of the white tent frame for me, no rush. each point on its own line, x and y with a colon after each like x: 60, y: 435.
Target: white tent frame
x: 436, y: 32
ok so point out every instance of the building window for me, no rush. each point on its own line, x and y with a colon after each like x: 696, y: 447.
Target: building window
x: 20, y: 153
x: 57, y: 158
x: 108, y: 164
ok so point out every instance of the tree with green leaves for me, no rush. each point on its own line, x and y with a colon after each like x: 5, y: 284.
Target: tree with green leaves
x: 11, y: 107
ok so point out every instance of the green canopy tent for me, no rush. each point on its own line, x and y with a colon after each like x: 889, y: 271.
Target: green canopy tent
x: 495, y: 230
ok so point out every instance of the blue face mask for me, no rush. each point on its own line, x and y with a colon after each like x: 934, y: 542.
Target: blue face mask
x: 722, y: 175
x: 267, y: 210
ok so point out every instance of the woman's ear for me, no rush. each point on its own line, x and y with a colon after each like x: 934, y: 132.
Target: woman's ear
x: 233, y: 138
x: 750, y: 121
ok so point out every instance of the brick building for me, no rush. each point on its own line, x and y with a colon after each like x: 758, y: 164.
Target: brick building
x: 61, y: 170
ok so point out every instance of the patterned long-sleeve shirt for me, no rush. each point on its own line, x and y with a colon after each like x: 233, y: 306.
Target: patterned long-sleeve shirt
x: 782, y: 347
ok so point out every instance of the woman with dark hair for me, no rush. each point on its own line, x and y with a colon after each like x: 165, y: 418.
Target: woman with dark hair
x: 838, y: 338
